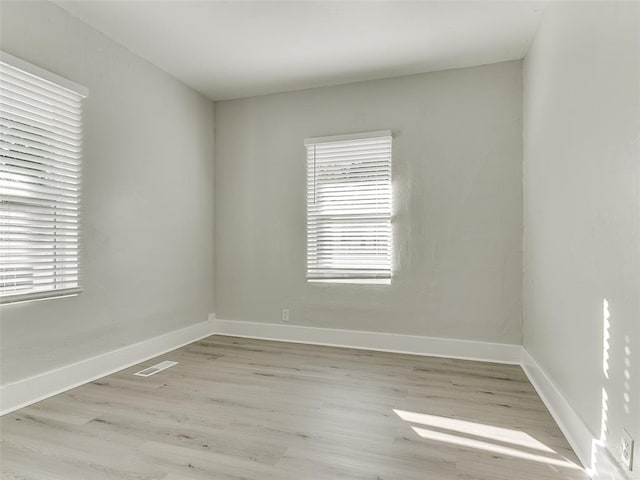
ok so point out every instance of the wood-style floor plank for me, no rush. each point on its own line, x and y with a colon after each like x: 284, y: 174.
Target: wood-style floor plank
x: 252, y: 409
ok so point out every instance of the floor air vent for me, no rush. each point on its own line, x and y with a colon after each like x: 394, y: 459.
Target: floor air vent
x: 158, y: 367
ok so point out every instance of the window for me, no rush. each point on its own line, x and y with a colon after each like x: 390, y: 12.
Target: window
x: 40, y: 141
x: 349, y: 208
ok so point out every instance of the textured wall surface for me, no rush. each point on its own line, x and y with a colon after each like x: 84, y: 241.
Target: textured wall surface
x: 457, y: 157
x: 147, y: 204
x: 582, y: 210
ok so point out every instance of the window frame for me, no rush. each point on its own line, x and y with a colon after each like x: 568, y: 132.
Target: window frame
x: 44, y: 77
x: 346, y: 278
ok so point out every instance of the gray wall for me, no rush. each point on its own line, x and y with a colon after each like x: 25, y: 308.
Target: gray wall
x: 457, y: 157
x: 582, y: 208
x: 147, y: 206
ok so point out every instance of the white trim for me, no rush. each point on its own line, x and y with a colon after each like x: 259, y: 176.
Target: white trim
x: 40, y: 72
x: 354, y: 281
x: 384, y: 342
x: 40, y: 295
x: 39, y: 387
x: 580, y: 437
x: 33, y: 389
x: 28, y: 391
x: 574, y: 429
x: 346, y: 137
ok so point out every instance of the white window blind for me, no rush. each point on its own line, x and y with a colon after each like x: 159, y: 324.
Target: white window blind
x: 349, y: 208
x: 40, y: 155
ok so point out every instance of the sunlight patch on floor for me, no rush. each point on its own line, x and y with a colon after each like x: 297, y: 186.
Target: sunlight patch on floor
x: 461, y: 441
x: 488, y: 438
x: 507, y: 435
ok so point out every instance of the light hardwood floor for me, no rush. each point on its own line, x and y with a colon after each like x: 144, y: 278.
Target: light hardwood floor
x: 251, y: 409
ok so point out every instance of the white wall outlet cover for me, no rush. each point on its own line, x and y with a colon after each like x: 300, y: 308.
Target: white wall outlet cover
x: 626, y: 454
x: 285, y: 314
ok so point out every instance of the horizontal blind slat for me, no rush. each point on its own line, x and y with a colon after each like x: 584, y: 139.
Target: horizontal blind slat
x: 35, y: 185
x: 33, y: 82
x: 32, y: 174
x: 47, y: 136
x: 13, y: 86
x: 33, y: 103
x: 47, y: 129
x: 30, y: 109
x: 8, y: 145
x: 38, y: 142
x: 28, y: 197
x: 30, y: 160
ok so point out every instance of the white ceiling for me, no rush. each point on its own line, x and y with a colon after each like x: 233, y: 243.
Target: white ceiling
x: 237, y: 48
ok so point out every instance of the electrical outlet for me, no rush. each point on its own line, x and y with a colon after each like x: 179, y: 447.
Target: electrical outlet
x: 285, y: 314
x: 626, y: 454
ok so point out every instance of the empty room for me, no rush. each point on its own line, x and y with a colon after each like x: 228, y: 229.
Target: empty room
x: 319, y: 240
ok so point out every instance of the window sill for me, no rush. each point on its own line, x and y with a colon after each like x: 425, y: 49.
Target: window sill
x: 37, y: 296
x: 356, y: 281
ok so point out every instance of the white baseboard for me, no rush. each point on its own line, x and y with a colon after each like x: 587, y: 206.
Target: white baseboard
x: 39, y: 387
x: 385, y: 342
x: 33, y: 389
x: 596, y: 459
